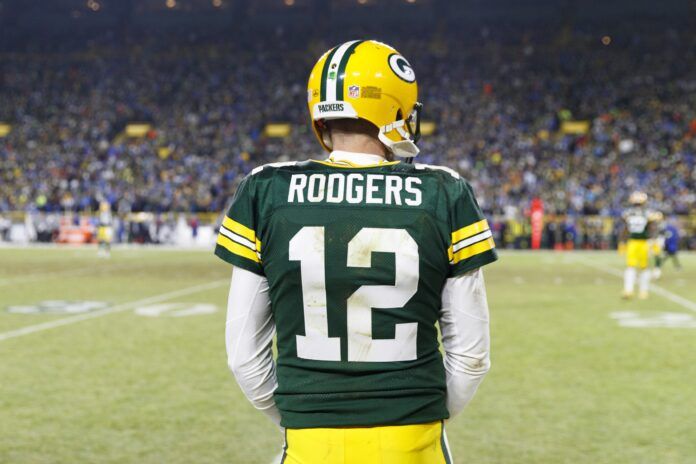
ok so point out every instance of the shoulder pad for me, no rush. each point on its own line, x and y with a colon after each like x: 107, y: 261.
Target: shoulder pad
x: 258, y: 169
x: 449, y: 171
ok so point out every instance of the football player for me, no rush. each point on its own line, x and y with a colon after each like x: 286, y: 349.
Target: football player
x: 671, y: 247
x: 105, y: 230
x: 668, y: 238
x: 352, y: 261
x: 658, y: 246
x: 639, y: 220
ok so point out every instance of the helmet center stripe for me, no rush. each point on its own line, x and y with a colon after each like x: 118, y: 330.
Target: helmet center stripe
x: 332, y: 70
x: 325, y: 73
x: 340, y: 84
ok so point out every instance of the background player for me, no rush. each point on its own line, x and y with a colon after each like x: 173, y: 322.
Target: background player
x: 105, y: 231
x: 669, y: 246
x: 639, y: 221
x: 353, y: 260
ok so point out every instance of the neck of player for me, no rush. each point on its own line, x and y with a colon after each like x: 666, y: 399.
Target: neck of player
x: 358, y: 143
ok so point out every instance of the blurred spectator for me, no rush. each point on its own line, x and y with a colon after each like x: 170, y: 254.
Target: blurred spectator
x: 5, y: 225
x: 499, y: 99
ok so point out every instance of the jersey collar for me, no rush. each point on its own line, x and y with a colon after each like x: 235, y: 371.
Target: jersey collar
x: 353, y: 159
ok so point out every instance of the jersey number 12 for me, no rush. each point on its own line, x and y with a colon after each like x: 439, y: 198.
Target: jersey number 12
x: 308, y: 247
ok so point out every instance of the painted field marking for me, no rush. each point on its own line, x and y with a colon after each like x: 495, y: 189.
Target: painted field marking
x: 663, y: 292
x: 85, y: 269
x: 176, y: 309
x: 113, y: 309
x: 633, y: 319
x: 41, y: 276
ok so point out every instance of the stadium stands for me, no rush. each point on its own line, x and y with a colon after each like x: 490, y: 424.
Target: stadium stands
x: 574, y: 117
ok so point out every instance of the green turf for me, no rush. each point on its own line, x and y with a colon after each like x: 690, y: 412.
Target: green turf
x: 568, y: 384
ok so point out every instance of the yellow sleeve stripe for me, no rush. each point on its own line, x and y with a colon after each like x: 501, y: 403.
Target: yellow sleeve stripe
x: 237, y: 249
x: 473, y: 250
x: 239, y: 229
x: 469, y: 231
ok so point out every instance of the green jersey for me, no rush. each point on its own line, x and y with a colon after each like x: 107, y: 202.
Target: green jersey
x: 356, y: 258
x: 638, y: 222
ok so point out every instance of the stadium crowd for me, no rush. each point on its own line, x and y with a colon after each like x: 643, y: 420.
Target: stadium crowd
x: 500, y: 99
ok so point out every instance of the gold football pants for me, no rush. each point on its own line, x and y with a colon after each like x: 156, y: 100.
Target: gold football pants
x: 400, y: 444
x: 637, y: 253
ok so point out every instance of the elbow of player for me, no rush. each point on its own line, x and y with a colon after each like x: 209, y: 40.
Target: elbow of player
x: 252, y: 375
x: 241, y: 368
x: 482, y: 366
x: 479, y: 366
x: 259, y: 395
x: 262, y: 401
x: 475, y: 365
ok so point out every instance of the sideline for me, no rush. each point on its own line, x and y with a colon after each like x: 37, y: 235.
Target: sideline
x: 113, y: 309
x: 93, y: 247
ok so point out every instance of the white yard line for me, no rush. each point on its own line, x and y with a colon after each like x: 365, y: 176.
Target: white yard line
x: 663, y: 292
x: 113, y: 309
x: 84, y: 269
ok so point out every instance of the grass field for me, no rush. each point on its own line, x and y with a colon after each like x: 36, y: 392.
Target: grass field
x: 569, y: 382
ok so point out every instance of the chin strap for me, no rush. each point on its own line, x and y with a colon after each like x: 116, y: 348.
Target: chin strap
x: 403, y: 148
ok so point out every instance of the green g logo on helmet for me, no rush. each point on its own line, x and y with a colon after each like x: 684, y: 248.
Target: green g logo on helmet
x: 401, y: 67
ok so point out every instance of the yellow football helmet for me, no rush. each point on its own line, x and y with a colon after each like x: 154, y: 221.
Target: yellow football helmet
x: 369, y: 80
x: 638, y: 198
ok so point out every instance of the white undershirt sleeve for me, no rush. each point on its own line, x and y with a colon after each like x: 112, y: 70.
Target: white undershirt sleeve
x: 249, y: 339
x: 465, y: 337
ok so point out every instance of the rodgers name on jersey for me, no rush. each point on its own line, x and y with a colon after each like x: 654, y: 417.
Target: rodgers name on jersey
x: 356, y: 258
x: 353, y: 188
